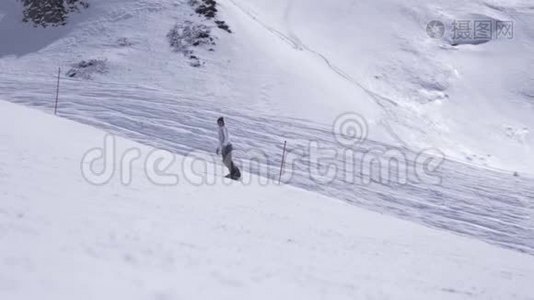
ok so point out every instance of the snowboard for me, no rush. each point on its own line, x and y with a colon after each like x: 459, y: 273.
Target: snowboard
x: 229, y: 176
x: 235, y: 175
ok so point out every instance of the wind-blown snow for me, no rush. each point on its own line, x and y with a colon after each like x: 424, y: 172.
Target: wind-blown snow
x: 62, y: 237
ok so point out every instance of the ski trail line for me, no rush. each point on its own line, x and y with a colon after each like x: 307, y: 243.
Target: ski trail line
x: 297, y: 44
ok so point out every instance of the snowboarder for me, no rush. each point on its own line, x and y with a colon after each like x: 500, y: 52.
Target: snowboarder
x: 225, y: 148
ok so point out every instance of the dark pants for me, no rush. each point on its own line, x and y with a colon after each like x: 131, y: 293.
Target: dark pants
x: 227, y: 160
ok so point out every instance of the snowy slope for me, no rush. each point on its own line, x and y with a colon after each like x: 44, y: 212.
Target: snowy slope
x: 313, y: 60
x: 472, y: 101
x: 62, y: 237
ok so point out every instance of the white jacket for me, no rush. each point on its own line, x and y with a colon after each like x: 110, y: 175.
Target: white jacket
x: 224, y: 138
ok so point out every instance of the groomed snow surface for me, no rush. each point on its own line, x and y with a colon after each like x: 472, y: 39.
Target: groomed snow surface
x: 63, y: 238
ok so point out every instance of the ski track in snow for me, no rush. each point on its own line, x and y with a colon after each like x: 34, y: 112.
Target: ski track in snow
x: 295, y: 42
x: 488, y: 205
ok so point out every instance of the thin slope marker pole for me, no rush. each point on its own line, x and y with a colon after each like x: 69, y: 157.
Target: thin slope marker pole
x: 57, y: 89
x: 283, y: 161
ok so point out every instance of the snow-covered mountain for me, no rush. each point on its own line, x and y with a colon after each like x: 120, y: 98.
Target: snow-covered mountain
x: 314, y: 60
x: 160, y: 72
